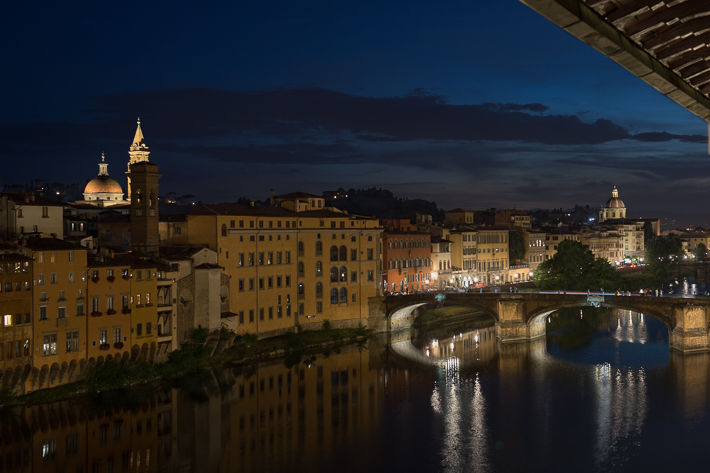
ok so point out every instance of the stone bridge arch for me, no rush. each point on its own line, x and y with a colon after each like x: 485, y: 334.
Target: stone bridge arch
x: 521, y: 317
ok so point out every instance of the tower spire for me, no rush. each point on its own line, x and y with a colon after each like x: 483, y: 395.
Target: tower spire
x: 137, y: 152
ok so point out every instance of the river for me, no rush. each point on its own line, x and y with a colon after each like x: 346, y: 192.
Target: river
x: 602, y: 392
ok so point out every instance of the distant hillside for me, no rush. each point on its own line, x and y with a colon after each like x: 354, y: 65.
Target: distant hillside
x: 381, y: 203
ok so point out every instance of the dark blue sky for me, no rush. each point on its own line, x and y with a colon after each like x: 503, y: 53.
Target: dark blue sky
x: 471, y: 104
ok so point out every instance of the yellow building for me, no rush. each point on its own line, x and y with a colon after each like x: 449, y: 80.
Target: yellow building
x: 464, y: 255
x: 289, y: 267
x: 144, y: 307
x: 608, y: 243
x: 493, y: 257
x: 109, y: 322
x: 59, y: 316
x: 553, y: 239
x: 16, y: 312
x: 459, y: 217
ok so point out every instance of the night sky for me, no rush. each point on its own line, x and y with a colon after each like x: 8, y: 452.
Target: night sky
x: 472, y: 104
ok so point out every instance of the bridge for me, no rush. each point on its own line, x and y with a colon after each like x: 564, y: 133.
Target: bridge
x: 521, y: 317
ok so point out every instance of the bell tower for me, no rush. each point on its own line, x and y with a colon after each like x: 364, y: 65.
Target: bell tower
x: 138, y: 153
x: 144, y: 207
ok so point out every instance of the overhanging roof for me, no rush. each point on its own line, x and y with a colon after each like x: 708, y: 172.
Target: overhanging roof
x: 666, y: 43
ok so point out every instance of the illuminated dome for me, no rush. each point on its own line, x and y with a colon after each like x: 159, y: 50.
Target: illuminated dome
x: 613, y: 209
x: 102, y: 188
x: 103, y: 184
x: 615, y: 202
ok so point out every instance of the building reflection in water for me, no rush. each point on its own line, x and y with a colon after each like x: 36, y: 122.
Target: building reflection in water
x: 272, y: 419
x: 468, y: 388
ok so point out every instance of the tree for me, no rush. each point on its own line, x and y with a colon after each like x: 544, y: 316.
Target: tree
x: 516, y: 245
x: 663, y: 255
x: 701, y: 252
x: 574, y: 267
x: 647, y: 232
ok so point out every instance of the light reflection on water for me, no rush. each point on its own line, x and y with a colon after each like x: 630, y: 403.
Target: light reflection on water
x: 611, y: 399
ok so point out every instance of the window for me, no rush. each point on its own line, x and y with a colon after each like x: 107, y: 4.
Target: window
x: 224, y: 230
x: 333, y: 274
x: 343, y: 296
x: 139, y: 330
x: 270, y: 257
x: 240, y: 260
x: 319, y: 248
x: 300, y: 248
x: 301, y: 291
x: 251, y: 316
x: 370, y: 276
x: 43, y: 312
x: 45, y: 212
x: 52, y: 256
x: 278, y: 281
x: 261, y: 314
x: 62, y: 312
x: 72, y: 341
x: 148, y: 328
x: 251, y: 284
x: 103, y: 336
x: 353, y: 276
x: 261, y: 284
x: 300, y: 268
x: 80, y: 310
x: 71, y: 277
x: 270, y: 281
x: 288, y: 280
x: 40, y: 257
x: 353, y: 254
x: 370, y: 254
x: 251, y: 259
x: 319, y: 307
x: 49, y: 345
x: 261, y: 258
x: 241, y: 285
x: 343, y: 253
x: 319, y: 269
x: 334, y: 253
x: 40, y: 279
x: 354, y: 297
x: 319, y: 290
x: 271, y: 313
x: 343, y: 274
x: 333, y: 296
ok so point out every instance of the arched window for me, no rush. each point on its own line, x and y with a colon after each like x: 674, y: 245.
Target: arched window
x: 138, y: 196
x: 300, y: 268
x: 319, y: 290
x: 389, y: 266
x: 333, y: 296
x: 224, y: 229
x: 416, y: 243
x: 300, y: 247
x: 319, y: 268
x: 151, y: 199
x: 334, y: 253
x: 343, y: 295
x: 343, y: 253
x: 389, y: 245
x: 343, y: 274
x: 439, y: 265
x: 426, y: 242
x: 333, y: 274
x: 401, y: 244
x: 301, y: 289
x: 399, y: 264
x: 319, y: 248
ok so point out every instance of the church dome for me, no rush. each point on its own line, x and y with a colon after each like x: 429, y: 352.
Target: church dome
x: 103, y: 184
x: 615, y: 202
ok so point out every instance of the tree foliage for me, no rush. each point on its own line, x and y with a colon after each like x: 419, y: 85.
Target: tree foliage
x: 663, y: 255
x: 574, y: 267
x: 647, y: 232
x: 516, y: 245
x: 701, y: 252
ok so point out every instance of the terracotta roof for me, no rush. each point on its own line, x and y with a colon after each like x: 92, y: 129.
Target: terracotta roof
x: 245, y: 210
x: 178, y: 217
x: 179, y: 252
x: 45, y: 244
x: 14, y: 257
x: 38, y: 200
x: 207, y: 266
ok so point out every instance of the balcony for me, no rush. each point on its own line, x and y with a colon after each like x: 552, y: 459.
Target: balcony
x: 62, y: 321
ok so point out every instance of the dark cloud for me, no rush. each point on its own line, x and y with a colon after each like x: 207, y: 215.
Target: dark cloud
x: 656, y: 137
x: 517, y: 107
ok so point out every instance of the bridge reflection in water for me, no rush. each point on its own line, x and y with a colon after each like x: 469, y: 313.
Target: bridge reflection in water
x: 481, y: 405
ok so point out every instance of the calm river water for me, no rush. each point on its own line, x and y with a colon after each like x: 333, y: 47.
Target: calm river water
x: 601, y: 393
